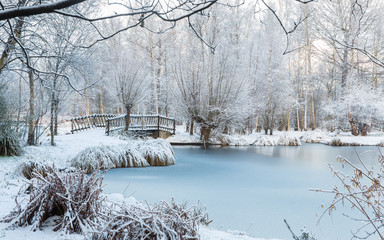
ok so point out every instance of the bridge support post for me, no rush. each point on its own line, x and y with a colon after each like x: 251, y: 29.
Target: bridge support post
x: 158, y: 126
x: 107, y: 127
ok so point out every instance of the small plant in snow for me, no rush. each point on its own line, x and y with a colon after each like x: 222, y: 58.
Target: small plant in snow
x: 305, y: 235
x: 72, y: 196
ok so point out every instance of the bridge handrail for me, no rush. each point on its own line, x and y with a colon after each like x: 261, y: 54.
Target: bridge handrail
x: 113, y: 122
x: 148, y: 122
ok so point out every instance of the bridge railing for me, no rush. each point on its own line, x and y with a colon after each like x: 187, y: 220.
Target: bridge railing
x: 141, y: 123
x: 90, y: 121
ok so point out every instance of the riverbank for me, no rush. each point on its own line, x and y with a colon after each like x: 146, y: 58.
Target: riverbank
x: 281, y: 138
x: 67, y: 147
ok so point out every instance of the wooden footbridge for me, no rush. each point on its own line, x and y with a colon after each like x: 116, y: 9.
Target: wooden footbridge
x: 155, y: 125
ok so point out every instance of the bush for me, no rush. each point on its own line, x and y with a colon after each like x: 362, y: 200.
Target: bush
x: 72, y: 196
x: 9, y: 142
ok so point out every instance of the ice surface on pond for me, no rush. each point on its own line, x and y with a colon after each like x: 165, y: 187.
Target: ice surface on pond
x: 251, y: 189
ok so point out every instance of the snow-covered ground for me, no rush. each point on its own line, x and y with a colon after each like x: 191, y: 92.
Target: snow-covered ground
x: 67, y: 146
x: 281, y: 137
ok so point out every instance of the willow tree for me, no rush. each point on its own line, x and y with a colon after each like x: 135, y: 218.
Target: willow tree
x: 131, y: 83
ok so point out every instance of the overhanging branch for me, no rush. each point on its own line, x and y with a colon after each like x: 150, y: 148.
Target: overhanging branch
x: 37, y: 10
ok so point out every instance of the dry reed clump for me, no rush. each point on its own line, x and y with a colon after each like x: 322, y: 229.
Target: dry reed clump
x: 289, y: 141
x: 162, y: 221
x: 72, y: 196
x: 264, y: 141
x: 157, y: 152
x: 106, y: 157
x: 336, y: 142
x: 142, y: 154
x: 27, y: 169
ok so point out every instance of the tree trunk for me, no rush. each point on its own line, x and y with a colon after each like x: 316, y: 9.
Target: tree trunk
x: 56, y: 115
x: 11, y: 43
x: 52, y: 118
x: 191, y: 127
x: 354, y: 130
x: 31, y: 125
x: 187, y: 126
x: 205, y: 132
x: 226, y: 130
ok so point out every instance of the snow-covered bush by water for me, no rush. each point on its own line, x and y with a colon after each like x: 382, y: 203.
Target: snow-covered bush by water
x: 155, y: 152
x: 285, y: 140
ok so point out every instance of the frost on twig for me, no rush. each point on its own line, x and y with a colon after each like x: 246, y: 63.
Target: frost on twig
x: 364, y: 191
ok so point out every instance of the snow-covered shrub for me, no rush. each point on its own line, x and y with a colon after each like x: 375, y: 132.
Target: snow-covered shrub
x: 72, y: 196
x: 285, y: 140
x: 157, y: 152
x: 264, y: 141
x: 9, y: 142
x: 162, y: 221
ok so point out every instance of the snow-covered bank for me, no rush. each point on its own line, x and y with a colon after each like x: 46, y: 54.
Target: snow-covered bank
x: 282, y: 138
x: 68, y: 146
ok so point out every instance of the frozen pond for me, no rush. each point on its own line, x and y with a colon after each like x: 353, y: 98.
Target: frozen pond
x: 251, y: 189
